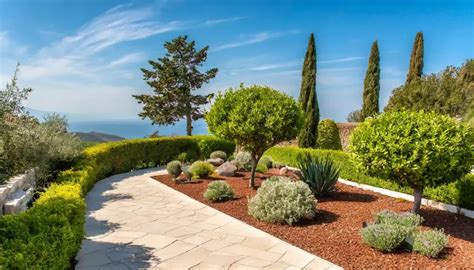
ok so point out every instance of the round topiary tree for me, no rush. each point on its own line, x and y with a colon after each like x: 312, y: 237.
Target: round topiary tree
x: 328, y: 135
x: 256, y: 118
x: 415, y: 149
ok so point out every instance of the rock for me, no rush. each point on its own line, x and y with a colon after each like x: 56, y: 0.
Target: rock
x: 284, y: 171
x: 215, y: 161
x: 227, y: 169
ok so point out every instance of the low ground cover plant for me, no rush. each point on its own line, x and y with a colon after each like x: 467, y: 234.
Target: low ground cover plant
x: 201, y: 169
x: 430, y: 243
x: 174, y: 168
x: 414, y: 149
x: 219, y: 154
x: 320, y: 174
x: 219, y: 191
x: 390, y: 230
x: 266, y: 161
x: 460, y: 192
x: 281, y: 200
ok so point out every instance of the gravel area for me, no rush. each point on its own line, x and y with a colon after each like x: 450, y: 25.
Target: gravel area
x: 334, y: 233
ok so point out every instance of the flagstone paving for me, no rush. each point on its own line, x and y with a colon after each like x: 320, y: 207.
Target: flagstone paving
x: 135, y: 222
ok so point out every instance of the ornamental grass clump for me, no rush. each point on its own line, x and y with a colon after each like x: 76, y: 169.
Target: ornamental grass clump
x: 201, y: 169
x: 384, y: 237
x: 219, y: 154
x: 430, y: 243
x: 281, y: 200
x: 219, y: 191
x: 174, y: 168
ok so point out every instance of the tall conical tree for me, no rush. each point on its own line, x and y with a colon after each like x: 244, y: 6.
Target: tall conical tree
x: 308, y: 98
x: 370, y: 106
x: 416, y: 59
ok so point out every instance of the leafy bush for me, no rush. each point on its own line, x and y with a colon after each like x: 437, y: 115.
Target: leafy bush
x: 384, y: 237
x: 280, y: 200
x: 243, y: 161
x: 187, y: 157
x: 255, y: 117
x: 219, y: 154
x: 414, y: 149
x: 407, y: 219
x: 430, y: 243
x: 328, y: 135
x: 459, y: 193
x: 219, y: 191
x: 188, y: 173
x: 174, y: 168
x: 49, y: 234
x: 261, y: 168
x: 206, y: 147
x: 201, y: 169
x: 266, y: 161
x: 320, y: 174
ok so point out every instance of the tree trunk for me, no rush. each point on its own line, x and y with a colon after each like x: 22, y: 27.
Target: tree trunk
x: 255, y: 160
x: 189, y: 124
x: 418, y: 194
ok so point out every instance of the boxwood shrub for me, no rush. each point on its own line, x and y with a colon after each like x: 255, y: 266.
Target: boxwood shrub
x: 49, y: 234
x: 460, y: 193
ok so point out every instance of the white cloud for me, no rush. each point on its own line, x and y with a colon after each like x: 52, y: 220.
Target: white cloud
x: 275, y: 66
x: 224, y: 20
x: 341, y: 60
x: 127, y: 59
x: 253, y: 39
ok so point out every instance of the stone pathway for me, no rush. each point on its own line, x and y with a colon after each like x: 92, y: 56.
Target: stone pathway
x: 135, y: 222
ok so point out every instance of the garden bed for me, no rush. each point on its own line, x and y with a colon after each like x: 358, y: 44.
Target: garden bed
x: 334, y: 233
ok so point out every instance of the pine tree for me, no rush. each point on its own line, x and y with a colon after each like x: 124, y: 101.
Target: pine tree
x: 173, y: 79
x: 370, y: 106
x: 308, y: 98
x: 416, y: 59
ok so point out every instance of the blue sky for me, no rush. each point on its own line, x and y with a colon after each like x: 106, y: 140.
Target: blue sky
x: 83, y: 57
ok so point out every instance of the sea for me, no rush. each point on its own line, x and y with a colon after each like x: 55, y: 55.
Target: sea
x: 131, y: 129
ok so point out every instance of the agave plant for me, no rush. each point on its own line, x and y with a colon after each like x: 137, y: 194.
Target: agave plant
x: 320, y: 174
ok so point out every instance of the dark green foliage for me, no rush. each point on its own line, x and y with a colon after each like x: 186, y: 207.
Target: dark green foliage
x: 328, y: 135
x: 459, y: 193
x: 256, y: 118
x: 308, y: 98
x: 355, y: 116
x: 370, y: 105
x: 384, y: 237
x: 430, y: 243
x: 414, y: 149
x: 449, y: 92
x: 174, y: 168
x: 219, y: 191
x: 49, y: 234
x: 320, y: 174
x: 173, y: 79
x: 415, y: 69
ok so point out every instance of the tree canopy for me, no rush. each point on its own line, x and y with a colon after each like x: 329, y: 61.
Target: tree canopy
x: 370, y: 105
x: 173, y: 78
x: 256, y: 118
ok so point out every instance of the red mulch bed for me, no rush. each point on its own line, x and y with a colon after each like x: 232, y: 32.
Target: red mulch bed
x: 334, y: 233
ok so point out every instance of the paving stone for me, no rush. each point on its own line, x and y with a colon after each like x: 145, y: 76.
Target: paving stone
x: 134, y: 222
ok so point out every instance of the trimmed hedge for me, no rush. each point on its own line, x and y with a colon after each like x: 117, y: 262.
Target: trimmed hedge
x: 49, y: 234
x: 459, y: 193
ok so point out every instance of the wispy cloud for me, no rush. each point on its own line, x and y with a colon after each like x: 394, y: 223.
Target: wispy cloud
x: 275, y: 66
x: 340, y: 60
x: 127, y: 59
x: 253, y: 39
x: 224, y: 20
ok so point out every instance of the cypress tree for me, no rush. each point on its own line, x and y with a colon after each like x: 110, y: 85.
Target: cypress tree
x: 308, y: 98
x: 370, y: 106
x: 416, y: 59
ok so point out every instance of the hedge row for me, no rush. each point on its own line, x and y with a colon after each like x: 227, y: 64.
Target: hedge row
x: 49, y: 234
x: 459, y: 193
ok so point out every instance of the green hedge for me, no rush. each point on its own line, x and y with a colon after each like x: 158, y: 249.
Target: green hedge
x: 49, y: 234
x: 459, y: 193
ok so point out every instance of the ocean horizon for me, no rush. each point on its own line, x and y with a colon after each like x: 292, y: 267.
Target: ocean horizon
x: 131, y: 129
